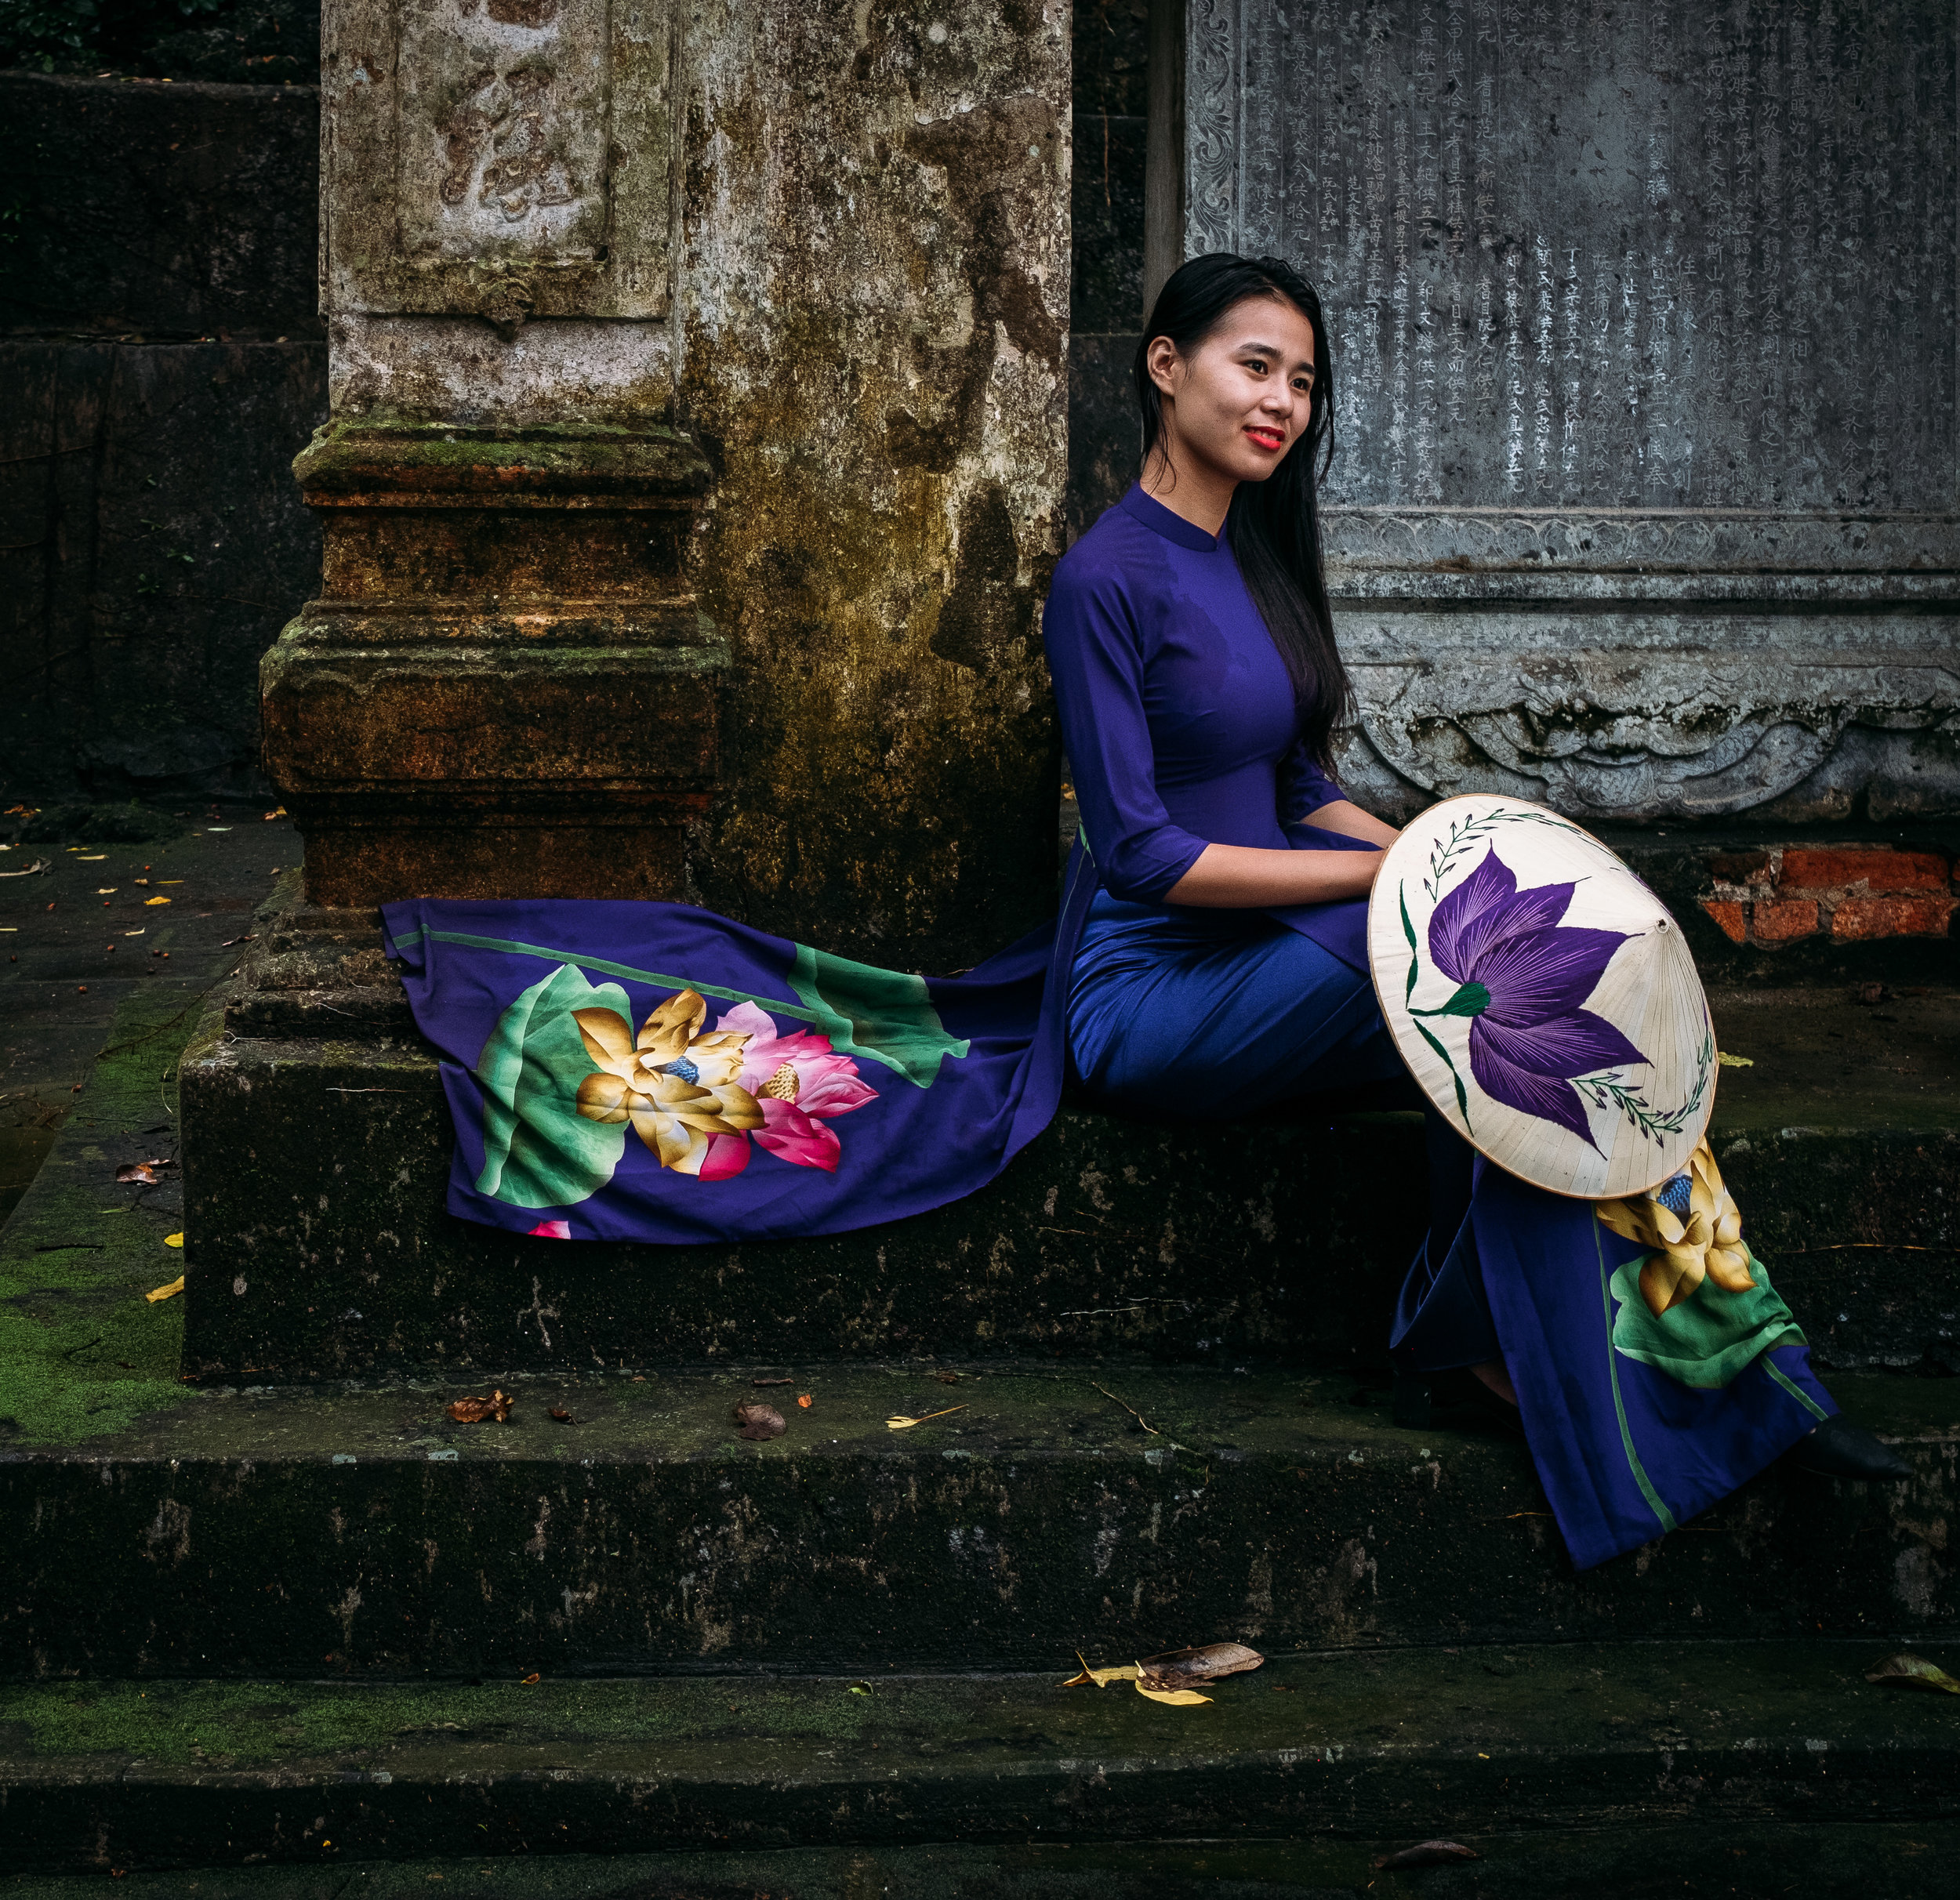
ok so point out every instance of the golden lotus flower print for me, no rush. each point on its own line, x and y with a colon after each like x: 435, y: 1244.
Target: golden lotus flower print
x: 1694, y: 1226
x: 676, y: 1083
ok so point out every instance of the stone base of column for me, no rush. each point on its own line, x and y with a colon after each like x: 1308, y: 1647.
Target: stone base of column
x: 551, y: 732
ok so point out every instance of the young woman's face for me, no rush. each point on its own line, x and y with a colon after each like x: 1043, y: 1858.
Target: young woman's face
x: 1242, y: 399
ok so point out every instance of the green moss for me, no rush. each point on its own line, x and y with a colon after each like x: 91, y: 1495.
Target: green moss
x: 82, y: 1352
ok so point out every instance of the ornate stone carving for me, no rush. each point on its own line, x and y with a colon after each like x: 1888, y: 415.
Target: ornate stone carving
x: 503, y: 158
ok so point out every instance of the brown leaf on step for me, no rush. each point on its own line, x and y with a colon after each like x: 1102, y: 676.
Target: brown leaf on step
x: 1178, y: 1669
x: 532, y: 1677
x: 947, y: 1378
x: 805, y: 1400
x: 562, y: 1416
x: 759, y: 1421
x: 1907, y: 1671
x: 137, y: 1171
x: 1177, y: 1698
x: 767, y: 1382
x: 474, y: 1411
x: 1426, y: 1854
x: 1871, y: 993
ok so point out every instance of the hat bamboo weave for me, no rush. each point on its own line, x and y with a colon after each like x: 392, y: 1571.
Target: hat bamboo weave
x: 1542, y: 997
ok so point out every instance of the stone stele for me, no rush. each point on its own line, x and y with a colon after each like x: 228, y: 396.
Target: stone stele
x: 1644, y: 344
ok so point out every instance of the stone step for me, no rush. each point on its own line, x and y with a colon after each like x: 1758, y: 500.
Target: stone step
x: 361, y: 1532
x: 1720, y: 1858
x: 316, y: 1170
x: 1289, y: 1776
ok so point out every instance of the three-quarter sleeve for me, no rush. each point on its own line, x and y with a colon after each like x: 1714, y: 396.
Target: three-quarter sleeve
x: 1304, y: 787
x: 1095, y: 657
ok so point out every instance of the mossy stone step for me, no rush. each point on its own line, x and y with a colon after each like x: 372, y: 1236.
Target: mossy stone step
x: 363, y: 1532
x: 316, y: 1172
x: 1397, y: 1745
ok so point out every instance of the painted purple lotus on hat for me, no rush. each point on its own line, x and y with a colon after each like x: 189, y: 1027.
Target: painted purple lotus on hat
x: 1523, y: 980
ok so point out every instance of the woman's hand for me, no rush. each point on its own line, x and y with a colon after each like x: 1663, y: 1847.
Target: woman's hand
x: 1237, y: 877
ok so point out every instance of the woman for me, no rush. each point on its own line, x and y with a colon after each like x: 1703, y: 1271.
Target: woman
x: 1221, y: 960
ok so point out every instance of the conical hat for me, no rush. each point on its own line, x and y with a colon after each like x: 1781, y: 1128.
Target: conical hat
x: 1542, y: 998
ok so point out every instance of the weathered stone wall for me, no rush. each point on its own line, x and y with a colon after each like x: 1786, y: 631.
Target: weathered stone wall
x: 873, y: 309
x: 160, y: 360
x: 1644, y: 334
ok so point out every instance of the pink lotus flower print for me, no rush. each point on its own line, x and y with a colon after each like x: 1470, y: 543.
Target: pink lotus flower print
x: 799, y: 1083
x: 1521, y: 979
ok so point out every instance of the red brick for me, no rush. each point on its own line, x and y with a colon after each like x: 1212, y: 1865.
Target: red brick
x: 1879, y: 872
x: 1732, y: 918
x: 1857, y: 918
x: 1777, y: 922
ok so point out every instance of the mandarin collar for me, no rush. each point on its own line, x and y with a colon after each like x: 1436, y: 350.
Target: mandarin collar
x: 1162, y: 520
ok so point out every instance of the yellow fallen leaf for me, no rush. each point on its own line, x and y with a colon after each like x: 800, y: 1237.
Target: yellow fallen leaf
x: 1123, y: 1672
x: 1727, y: 1061
x: 1181, y: 1698
x: 165, y: 1293
x: 105, y: 891
x: 901, y: 1422
x: 156, y: 899
x: 173, y: 1240
x: 97, y: 859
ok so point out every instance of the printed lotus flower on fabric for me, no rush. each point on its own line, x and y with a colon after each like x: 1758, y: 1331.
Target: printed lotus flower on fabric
x: 1522, y: 978
x: 799, y: 1083
x: 676, y: 1083
x: 1698, y: 1236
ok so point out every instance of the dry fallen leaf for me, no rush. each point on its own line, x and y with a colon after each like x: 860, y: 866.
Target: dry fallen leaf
x: 770, y: 1381
x: 805, y: 1400
x: 474, y: 1411
x: 156, y: 899
x: 1179, y: 1699
x: 1907, y: 1671
x: 901, y: 1422
x: 1124, y: 1672
x: 532, y: 1677
x: 561, y: 1416
x: 1426, y: 1853
x: 758, y: 1421
x: 165, y: 1293
x: 137, y: 1171
x: 947, y: 1378
x: 38, y: 865
x: 1175, y: 1668
x: 1724, y: 1059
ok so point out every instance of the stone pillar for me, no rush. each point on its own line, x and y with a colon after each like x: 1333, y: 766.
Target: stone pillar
x: 1644, y: 339
x: 695, y: 464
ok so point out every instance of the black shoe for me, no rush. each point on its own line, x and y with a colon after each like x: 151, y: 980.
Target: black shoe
x: 1838, y: 1449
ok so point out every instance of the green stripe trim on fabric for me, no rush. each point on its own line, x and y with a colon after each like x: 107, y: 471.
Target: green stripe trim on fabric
x: 1790, y: 1386
x: 652, y: 977
x: 1619, y: 1405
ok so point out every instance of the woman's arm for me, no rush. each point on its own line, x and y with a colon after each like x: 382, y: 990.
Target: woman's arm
x: 1237, y: 877
x: 1351, y: 821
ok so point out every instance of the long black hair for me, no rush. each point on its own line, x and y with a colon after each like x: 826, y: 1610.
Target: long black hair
x: 1274, y: 525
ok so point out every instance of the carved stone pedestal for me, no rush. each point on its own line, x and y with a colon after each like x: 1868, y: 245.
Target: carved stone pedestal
x: 506, y: 688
